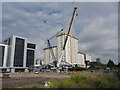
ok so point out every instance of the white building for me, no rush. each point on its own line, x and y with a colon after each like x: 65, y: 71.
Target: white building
x: 3, y: 56
x: 88, y: 57
x: 31, y: 54
x: 48, y: 57
x: 21, y: 54
x: 81, y: 60
x: 71, y: 48
x: 71, y: 54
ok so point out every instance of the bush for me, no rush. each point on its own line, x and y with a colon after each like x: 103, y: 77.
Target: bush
x: 87, y: 81
x: 65, y: 83
x: 106, y: 81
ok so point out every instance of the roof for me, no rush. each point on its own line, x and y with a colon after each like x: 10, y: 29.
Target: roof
x: 80, y: 53
x: 50, y: 47
x: 65, y: 33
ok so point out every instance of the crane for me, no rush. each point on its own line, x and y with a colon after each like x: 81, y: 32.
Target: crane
x: 50, y: 46
x: 62, y: 52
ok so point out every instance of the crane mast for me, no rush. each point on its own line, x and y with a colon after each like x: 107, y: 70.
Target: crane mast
x: 50, y: 46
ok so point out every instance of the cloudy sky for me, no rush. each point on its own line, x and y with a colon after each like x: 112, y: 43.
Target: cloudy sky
x: 96, y: 25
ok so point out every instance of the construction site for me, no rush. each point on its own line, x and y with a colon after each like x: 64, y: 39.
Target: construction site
x: 20, y: 69
x: 57, y: 59
x: 20, y: 55
x: 65, y: 53
x: 47, y: 45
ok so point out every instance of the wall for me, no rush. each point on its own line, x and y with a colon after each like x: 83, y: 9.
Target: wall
x: 71, y: 49
x: 81, y: 60
x: 48, y: 58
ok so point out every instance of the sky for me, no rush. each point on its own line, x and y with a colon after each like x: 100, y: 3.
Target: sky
x: 96, y: 25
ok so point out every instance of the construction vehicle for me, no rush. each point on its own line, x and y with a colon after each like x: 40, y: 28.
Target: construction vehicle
x: 62, y: 52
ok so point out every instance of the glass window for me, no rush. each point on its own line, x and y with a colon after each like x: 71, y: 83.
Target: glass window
x: 1, y: 55
x: 29, y: 45
x: 19, y: 52
x: 30, y: 58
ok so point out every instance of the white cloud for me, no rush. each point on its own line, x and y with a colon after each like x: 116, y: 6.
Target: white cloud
x: 100, y: 37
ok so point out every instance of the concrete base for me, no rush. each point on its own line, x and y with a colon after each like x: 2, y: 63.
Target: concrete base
x: 12, y: 70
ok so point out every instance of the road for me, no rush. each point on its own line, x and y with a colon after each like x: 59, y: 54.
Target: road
x: 29, y: 78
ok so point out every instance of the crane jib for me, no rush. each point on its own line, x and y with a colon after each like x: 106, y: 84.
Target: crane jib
x: 69, y: 27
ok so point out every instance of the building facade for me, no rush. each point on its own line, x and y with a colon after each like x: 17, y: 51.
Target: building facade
x: 21, y: 54
x: 87, y: 57
x: 30, y: 56
x: 81, y: 60
x: 48, y: 57
x: 3, y: 56
x: 70, y: 55
x: 71, y: 48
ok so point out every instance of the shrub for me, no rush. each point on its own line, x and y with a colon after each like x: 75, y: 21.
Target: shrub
x: 87, y: 81
x: 106, y: 81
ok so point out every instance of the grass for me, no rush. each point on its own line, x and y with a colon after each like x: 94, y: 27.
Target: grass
x: 82, y: 80
x: 87, y: 81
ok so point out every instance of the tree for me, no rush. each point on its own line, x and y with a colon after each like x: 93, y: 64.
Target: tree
x: 92, y: 65
x: 110, y: 64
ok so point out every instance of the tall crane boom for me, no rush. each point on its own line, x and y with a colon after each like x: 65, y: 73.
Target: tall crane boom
x: 70, y: 27
x: 62, y: 52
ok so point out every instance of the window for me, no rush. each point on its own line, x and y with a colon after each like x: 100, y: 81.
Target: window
x: 30, y: 58
x: 9, y: 41
x: 1, y: 55
x: 19, y: 52
x: 29, y: 45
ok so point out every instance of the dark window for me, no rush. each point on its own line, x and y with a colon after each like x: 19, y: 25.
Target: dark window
x: 9, y: 41
x: 30, y: 58
x: 19, y: 52
x: 29, y: 45
x: 84, y: 56
x: 2, y: 48
x: 8, y: 56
